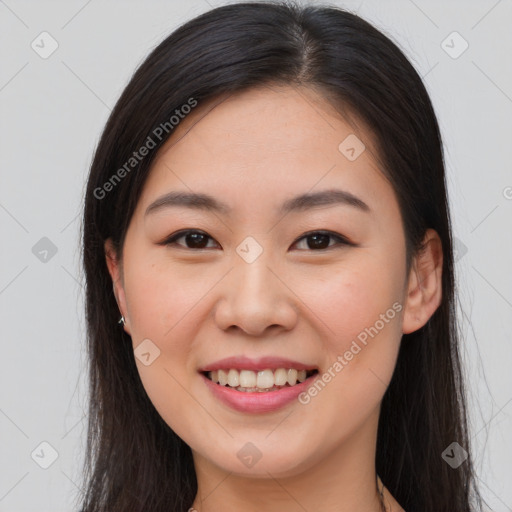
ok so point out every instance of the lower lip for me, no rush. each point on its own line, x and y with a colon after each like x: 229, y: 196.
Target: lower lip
x: 258, y: 401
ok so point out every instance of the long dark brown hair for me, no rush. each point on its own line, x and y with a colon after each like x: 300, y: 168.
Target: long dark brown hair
x: 134, y: 461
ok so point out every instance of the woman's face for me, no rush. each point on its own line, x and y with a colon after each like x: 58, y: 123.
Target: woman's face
x: 256, y: 280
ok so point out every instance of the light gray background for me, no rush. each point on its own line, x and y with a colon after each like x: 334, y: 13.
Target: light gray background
x: 52, y: 113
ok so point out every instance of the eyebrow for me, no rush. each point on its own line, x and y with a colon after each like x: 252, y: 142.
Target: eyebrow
x: 302, y: 202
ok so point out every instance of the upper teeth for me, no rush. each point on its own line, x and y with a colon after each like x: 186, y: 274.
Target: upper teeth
x: 263, y: 379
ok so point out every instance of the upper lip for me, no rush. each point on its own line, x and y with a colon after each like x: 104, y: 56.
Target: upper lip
x: 263, y: 363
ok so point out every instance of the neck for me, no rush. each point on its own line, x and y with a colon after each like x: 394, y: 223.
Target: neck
x: 342, y: 480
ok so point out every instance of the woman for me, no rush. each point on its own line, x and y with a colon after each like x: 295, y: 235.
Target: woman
x: 266, y: 212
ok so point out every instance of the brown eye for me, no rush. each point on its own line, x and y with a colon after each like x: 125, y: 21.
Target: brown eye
x: 315, y: 240
x: 319, y: 240
x: 193, y: 239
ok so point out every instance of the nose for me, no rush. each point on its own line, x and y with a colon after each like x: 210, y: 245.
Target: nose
x: 255, y: 298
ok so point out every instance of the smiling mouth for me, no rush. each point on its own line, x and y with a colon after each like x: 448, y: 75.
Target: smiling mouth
x: 249, y: 381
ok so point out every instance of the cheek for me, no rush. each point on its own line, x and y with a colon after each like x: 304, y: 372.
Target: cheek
x: 162, y: 299
x: 358, y: 313
x: 164, y: 305
x: 351, y: 301
x: 358, y: 310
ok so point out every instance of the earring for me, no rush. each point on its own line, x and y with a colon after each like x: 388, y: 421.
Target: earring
x: 121, y: 320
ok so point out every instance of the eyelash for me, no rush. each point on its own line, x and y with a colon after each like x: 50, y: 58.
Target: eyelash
x: 342, y: 241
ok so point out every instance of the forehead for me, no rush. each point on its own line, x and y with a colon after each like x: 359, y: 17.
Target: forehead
x: 270, y: 140
x: 273, y: 118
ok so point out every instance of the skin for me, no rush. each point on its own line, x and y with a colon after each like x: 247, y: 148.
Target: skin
x: 254, y: 150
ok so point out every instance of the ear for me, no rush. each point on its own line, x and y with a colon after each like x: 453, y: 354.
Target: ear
x: 115, y: 271
x: 424, y: 293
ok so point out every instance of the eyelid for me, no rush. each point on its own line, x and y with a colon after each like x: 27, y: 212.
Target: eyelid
x: 341, y: 239
x: 182, y: 232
